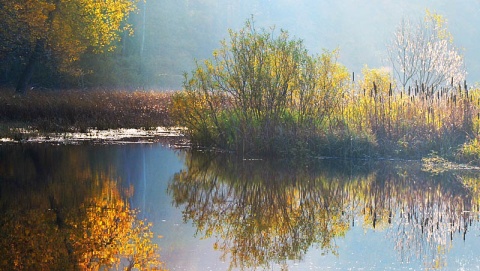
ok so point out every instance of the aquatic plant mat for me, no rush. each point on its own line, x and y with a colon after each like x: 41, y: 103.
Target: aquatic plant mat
x: 438, y: 165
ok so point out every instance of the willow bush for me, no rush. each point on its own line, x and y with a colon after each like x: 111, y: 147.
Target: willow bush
x: 261, y: 93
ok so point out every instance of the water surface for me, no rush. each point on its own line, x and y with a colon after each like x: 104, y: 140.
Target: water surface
x: 65, y: 207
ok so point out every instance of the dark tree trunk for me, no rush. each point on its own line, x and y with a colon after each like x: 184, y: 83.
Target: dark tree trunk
x: 24, y: 80
x: 27, y: 73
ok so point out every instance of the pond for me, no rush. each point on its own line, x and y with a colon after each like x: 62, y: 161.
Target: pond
x: 89, y: 206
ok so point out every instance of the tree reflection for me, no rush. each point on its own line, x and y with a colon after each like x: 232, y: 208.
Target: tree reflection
x: 57, y: 214
x: 263, y: 214
x: 110, y: 232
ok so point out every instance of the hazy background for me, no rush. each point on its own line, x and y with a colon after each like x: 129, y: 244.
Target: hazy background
x: 178, y: 32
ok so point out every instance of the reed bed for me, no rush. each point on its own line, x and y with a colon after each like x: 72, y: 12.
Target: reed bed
x: 379, y: 121
x: 414, y: 121
x: 79, y: 110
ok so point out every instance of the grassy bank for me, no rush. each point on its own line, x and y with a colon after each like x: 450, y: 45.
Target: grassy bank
x: 76, y: 111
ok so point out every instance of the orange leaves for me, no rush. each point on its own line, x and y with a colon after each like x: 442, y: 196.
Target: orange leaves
x: 30, y: 243
x: 73, y: 219
x: 24, y: 20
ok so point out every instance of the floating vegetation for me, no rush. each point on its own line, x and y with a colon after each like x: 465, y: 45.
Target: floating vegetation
x: 438, y: 165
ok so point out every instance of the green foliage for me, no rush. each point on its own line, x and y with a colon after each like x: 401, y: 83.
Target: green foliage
x: 266, y: 95
x: 107, y: 71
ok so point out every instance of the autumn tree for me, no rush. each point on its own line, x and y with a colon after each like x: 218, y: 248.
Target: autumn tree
x: 54, y: 31
x: 424, y: 53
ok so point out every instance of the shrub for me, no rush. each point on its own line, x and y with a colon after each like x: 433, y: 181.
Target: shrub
x: 470, y: 151
x: 259, y: 91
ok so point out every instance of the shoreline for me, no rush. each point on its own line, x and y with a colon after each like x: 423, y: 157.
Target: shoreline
x: 171, y: 136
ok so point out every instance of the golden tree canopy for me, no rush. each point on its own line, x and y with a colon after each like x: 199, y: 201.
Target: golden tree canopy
x: 65, y: 28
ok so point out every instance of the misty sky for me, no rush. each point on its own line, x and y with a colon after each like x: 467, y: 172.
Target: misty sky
x: 360, y: 29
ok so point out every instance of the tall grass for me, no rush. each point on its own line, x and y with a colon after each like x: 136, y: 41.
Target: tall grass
x: 414, y: 121
x: 80, y: 110
x: 366, y: 122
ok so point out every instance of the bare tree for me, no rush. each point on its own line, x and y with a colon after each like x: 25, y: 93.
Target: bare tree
x: 401, y: 53
x: 424, y: 53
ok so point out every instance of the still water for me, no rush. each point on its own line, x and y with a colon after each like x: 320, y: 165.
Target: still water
x: 95, y: 206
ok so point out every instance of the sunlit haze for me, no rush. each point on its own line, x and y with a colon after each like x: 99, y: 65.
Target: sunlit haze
x: 180, y: 32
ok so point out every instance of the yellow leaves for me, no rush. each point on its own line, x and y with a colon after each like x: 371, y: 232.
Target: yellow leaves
x: 438, y: 24
x: 68, y: 27
x: 111, y: 232
x: 262, y: 216
x: 259, y: 83
x: 74, y: 219
x: 25, y: 19
x: 381, y: 77
x: 32, y: 241
x: 105, y: 18
x: 435, y: 17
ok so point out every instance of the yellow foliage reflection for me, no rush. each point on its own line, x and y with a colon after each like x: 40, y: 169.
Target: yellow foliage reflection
x: 259, y: 215
x: 58, y: 215
x: 111, y: 233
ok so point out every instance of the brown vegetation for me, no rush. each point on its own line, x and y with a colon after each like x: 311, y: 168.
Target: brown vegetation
x: 76, y: 110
